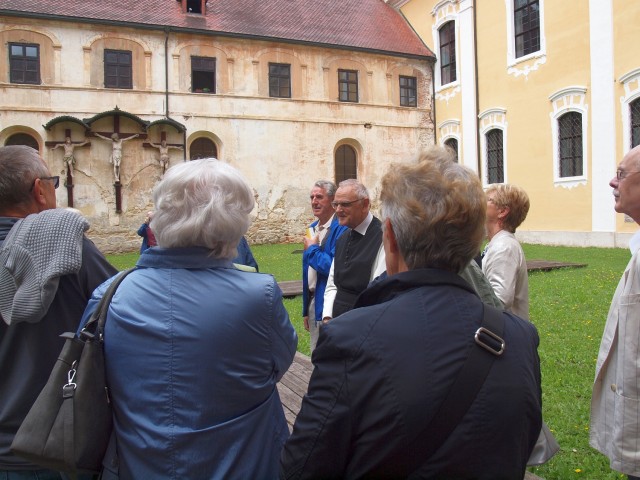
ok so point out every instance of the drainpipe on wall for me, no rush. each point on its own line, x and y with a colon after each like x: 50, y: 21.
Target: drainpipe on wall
x: 167, y: 30
x: 433, y: 103
x: 475, y: 53
x: 166, y: 71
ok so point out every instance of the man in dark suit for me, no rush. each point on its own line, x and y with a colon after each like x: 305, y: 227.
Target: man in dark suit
x: 359, y: 253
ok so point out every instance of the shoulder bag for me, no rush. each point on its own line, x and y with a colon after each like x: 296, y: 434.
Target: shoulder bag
x: 69, y: 425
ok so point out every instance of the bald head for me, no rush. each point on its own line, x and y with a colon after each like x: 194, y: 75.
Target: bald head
x: 626, y: 185
x: 21, y: 190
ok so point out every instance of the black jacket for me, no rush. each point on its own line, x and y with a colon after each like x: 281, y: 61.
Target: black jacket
x: 28, y: 351
x: 382, y: 370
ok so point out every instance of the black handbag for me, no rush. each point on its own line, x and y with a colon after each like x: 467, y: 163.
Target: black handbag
x: 69, y: 425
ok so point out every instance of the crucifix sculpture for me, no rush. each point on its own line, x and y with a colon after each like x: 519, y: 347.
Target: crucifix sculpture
x: 116, y: 138
x: 163, y: 147
x: 69, y: 159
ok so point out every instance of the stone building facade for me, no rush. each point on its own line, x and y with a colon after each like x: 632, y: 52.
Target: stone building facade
x: 330, y: 90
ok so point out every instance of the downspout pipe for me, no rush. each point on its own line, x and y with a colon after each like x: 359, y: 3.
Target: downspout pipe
x: 475, y: 53
x: 167, y: 30
x: 166, y: 71
x: 434, y: 117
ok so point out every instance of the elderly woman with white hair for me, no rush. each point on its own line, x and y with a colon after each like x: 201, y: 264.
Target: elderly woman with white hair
x: 388, y: 397
x: 193, y: 346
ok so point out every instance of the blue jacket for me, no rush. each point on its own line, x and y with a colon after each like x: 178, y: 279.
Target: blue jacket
x: 143, y: 231
x: 193, y: 350
x: 245, y: 255
x: 319, y: 258
x: 382, y: 371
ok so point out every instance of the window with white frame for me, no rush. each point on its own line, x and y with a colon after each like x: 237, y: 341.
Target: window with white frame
x: 493, y: 145
x: 630, y: 109
x: 569, y: 134
x: 447, y: 35
x: 525, y: 36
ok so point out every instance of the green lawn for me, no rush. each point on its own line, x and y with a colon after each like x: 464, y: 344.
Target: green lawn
x: 568, y: 306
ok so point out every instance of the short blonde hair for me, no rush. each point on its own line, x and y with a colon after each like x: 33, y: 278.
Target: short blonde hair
x: 437, y: 210
x: 202, y: 203
x: 515, y: 199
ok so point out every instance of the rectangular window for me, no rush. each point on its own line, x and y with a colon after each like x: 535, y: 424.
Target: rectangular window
x: 280, y: 80
x: 194, y: 6
x: 348, y: 85
x: 24, y: 61
x: 203, y: 74
x: 117, y: 69
x: 408, y: 91
x: 527, y: 26
x: 448, y: 53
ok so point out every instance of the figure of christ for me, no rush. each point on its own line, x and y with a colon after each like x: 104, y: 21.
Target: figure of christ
x: 116, y: 153
x: 164, y: 153
x: 68, y: 158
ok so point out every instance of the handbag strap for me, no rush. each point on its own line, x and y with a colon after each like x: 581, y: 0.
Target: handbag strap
x: 95, y: 324
x: 488, y: 344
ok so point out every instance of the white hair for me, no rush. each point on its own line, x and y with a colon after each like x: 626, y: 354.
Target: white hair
x: 203, y: 203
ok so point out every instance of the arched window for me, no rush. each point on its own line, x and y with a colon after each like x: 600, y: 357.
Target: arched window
x: 452, y: 143
x: 495, y: 156
x: 346, y: 163
x: 202, y: 148
x: 634, y: 111
x: 570, y: 144
x: 23, y: 139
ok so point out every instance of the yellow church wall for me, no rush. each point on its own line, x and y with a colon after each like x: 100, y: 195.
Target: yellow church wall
x: 524, y: 93
x: 627, y: 85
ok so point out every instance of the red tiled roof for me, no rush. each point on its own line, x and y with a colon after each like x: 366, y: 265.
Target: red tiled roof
x: 358, y: 24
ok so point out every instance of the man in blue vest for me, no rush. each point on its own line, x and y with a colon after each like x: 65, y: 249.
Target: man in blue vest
x: 319, y: 250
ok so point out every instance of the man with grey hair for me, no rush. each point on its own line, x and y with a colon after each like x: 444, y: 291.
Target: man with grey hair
x: 615, y: 411
x: 48, y: 270
x: 380, y: 396
x: 359, y: 254
x: 319, y: 250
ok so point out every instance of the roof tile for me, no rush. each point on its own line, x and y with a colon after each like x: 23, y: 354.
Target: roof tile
x: 359, y: 24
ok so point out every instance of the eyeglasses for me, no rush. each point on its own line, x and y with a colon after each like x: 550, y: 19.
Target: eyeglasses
x: 56, y: 181
x: 344, y: 204
x: 620, y: 174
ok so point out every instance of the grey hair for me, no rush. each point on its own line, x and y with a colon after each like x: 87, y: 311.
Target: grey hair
x: 437, y: 211
x: 328, y: 187
x: 204, y: 203
x: 358, y: 187
x: 19, y: 167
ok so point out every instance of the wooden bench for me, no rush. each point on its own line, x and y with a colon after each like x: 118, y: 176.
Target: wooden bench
x: 293, y: 288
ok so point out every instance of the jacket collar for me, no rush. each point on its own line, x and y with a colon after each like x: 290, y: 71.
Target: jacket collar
x: 184, y: 257
x: 392, y: 286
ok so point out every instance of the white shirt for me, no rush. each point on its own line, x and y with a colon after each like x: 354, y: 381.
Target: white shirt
x: 505, y: 267
x: 321, y: 231
x: 379, y: 266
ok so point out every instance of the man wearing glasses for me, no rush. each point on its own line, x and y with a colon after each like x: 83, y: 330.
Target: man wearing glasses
x: 48, y: 270
x: 615, y: 402
x: 359, y: 254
